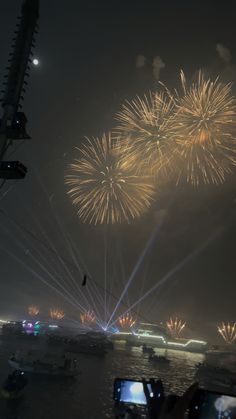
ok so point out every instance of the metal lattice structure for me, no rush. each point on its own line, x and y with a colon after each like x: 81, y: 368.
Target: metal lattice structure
x: 13, y: 122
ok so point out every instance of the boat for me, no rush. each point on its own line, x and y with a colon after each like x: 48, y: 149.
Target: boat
x: 44, y: 367
x: 86, y: 348
x: 11, y: 395
x: 98, y: 338
x: 56, y: 340
x: 221, y: 358
x: 203, y: 368
x: 89, y: 344
x: 147, y: 350
x: 14, y: 385
x: 215, y: 374
x: 159, y: 359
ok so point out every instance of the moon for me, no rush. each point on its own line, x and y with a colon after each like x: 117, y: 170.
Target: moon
x: 35, y: 61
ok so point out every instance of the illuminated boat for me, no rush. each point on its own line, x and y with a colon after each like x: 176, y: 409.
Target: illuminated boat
x: 158, y: 339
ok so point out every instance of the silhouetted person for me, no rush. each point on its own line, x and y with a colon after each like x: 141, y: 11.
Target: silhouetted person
x: 84, y: 280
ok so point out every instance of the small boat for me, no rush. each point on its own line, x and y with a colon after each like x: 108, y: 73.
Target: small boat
x: 213, y: 369
x: 11, y: 395
x: 55, y: 340
x: 147, y: 350
x: 97, y: 338
x: 86, y: 345
x: 44, y: 368
x: 215, y: 375
x: 159, y: 359
x: 86, y: 349
x: 13, y: 386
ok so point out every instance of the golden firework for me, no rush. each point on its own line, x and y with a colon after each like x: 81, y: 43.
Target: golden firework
x: 228, y: 332
x: 148, y: 125
x: 175, y: 326
x: 104, y: 185
x: 56, y: 314
x: 126, y: 321
x: 206, y: 134
x: 33, y: 310
x: 87, y: 317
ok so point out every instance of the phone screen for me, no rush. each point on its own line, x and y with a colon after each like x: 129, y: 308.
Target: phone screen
x: 130, y: 391
x: 211, y: 405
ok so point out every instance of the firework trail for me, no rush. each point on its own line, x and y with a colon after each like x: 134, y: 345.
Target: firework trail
x: 126, y: 321
x: 175, y: 327
x: 228, y: 332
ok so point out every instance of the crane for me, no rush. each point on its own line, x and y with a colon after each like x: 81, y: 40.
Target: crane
x: 13, y: 121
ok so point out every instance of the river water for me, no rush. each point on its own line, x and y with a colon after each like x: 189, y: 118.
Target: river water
x: 90, y: 395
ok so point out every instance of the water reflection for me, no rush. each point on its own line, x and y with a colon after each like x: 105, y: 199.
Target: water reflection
x: 90, y: 396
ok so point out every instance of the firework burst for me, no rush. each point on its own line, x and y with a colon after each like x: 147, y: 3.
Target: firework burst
x: 126, y: 321
x: 206, y: 134
x: 104, y: 185
x: 175, y: 327
x: 33, y: 311
x: 56, y: 314
x: 87, y: 317
x: 228, y: 332
x: 148, y: 125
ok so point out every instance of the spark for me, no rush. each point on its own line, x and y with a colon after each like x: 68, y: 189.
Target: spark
x: 104, y: 185
x: 126, y: 321
x: 56, y: 314
x: 228, y: 332
x: 206, y: 114
x: 33, y: 310
x: 175, y: 327
x: 149, y: 124
x: 87, y: 317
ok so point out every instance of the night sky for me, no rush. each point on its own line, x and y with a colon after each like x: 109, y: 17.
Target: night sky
x: 89, y: 64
